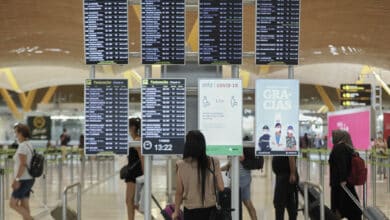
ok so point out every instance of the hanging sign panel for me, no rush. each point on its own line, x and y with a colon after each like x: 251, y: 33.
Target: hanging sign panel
x: 220, y: 115
x: 163, y: 31
x: 105, y: 32
x: 163, y: 116
x: 277, y: 31
x: 220, y: 32
x: 277, y: 117
x: 40, y: 127
x: 106, y: 116
x: 356, y: 121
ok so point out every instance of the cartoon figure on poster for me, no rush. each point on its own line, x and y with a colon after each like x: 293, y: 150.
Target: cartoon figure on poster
x: 277, y: 110
x: 264, y: 140
x: 291, y: 142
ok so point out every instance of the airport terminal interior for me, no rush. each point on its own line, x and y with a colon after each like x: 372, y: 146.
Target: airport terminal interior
x: 237, y: 70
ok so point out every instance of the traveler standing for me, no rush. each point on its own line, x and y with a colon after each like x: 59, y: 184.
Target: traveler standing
x: 340, y: 168
x: 23, y: 181
x: 195, y: 181
x: 64, y: 138
x: 286, y: 193
x: 245, y: 186
x: 135, y: 160
x: 381, y: 150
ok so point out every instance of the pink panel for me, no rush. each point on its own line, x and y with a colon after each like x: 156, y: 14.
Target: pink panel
x: 356, y: 123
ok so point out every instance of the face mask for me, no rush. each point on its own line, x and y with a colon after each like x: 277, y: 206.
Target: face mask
x: 265, y: 131
x: 277, y: 129
x: 290, y: 131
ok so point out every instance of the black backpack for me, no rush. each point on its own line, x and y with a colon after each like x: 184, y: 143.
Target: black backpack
x: 252, y: 162
x: 37, y: 164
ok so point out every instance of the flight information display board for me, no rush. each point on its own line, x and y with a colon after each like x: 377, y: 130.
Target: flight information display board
x: 163, y: 31
x: 277, y: 31
x: 220, y: 32
x: 105, y: 32
x: 163, y: 116
x: 106, y: 116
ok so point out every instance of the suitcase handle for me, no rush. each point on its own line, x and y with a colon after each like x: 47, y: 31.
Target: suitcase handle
x: 157, y: 203
x: 354, y: 199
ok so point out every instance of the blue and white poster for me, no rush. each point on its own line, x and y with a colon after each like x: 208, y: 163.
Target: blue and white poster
x: 277, y: 117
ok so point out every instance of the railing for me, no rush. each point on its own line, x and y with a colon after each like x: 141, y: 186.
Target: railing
x: 2, y: 196
x: 65, y: 200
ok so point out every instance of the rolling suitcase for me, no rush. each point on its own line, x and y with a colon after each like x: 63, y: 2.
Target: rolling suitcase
x: 168, y: 211
x: 314, y: 204
x: 371, y: 213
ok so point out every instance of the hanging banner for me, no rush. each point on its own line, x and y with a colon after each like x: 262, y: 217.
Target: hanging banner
x: 386, y: 125
x: 277, y: 115
x: 40, y: 127
x: 220, y: 115
x: 356, y: 121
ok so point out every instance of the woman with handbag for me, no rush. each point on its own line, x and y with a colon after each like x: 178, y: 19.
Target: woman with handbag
x: 135, y: 166
x: 197, y: 176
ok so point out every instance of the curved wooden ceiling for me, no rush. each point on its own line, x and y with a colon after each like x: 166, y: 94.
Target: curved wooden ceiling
x: 50, y: 33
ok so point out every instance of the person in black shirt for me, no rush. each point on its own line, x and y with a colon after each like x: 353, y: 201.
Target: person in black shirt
x: 135, y: 160
x: 64, y: 138
x: 286, y: 194
x: 340, y: 168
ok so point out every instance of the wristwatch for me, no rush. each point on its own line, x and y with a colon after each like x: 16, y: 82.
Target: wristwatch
x: 17, y: 179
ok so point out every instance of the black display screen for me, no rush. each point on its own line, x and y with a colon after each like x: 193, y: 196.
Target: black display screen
x: 277, y: 32
x: 106, y: 116
x: 220, y: 32
x: 163, y: 116
x: 163, y: 31
x: 105, y: 32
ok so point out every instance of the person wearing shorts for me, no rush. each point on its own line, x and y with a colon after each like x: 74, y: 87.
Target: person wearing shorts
x: 245, y: 190
x: 23, y: 181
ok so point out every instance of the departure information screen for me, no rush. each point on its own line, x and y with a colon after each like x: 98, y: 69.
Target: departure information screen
x: 277, y: 32
x: 220, y: 32
x: 163, y: 32
x: 105, y: 32
x: 106, y: 116
x: 163, y: 116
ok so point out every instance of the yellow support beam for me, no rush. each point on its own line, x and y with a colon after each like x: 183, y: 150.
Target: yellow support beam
x: 11, y: 79
x: 23, y: 100
x: 193, y: 38
x: 11, y: 104
x: 130, y: 75
x: 245, y: 77
x: 49, y: 95
x: 325, y: 98
x: 30, y: 99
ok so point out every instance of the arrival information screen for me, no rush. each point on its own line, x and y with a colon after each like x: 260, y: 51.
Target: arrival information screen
x: 163, y: 32
x: 277, y: 32
x: 106, y: 116
x: 163, y: 116
x: 220, y: 32
x: 105, y: 32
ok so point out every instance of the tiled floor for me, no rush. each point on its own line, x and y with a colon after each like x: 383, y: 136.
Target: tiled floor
x: 104, y: 193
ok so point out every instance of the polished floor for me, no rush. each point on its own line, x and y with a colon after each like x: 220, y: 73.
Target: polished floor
x: 103, y: 192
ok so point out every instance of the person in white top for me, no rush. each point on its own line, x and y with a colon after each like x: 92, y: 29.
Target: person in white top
x: 23, y: 181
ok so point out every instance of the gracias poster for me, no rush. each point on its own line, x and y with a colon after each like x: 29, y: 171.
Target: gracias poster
x: 277, y: 115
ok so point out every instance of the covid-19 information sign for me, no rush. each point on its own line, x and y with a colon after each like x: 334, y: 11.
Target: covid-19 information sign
x: 220, y: 115
x: 163, y: 116
x: 277, y: 115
